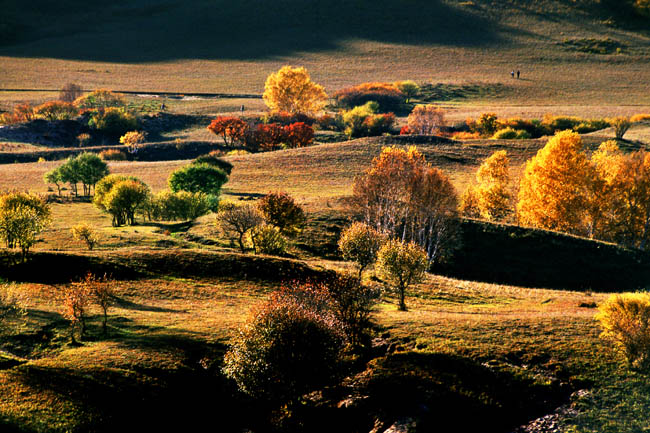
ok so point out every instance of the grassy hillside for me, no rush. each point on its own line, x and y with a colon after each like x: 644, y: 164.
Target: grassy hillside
x: 222, y: 46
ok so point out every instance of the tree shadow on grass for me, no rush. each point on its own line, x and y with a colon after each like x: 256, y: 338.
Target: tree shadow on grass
x: 207, y: 29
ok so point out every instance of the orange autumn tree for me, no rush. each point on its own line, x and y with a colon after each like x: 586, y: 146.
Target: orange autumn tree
x: 556, y: 188
x: 625, y: 194
x: 291, y: 90
x: 401, y: 195
x: 490, y: 197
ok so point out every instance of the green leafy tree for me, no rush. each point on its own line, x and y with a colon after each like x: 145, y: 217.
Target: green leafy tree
x: 198, y: 178
x: 54, y: 176
x: 402, y: 264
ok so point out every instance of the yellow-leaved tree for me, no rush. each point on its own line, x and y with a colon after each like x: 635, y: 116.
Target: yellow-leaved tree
x: 557, y: 187
x: 490, y: 197
x: 291, y: 90
x: 625, y: 195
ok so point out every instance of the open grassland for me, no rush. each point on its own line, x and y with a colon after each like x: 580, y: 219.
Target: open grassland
x: 475, y: 344
x: 150, y: 46
x: 170, y: 327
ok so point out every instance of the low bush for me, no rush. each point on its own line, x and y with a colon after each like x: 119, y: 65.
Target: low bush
x: 133, y: 140
x: 21, y: 113
x: 112, y: 155
x: 181, y: 205
x: 267, y: 239
x: 625, y: 319
x: 388, y: 97
x: 462, y: 135
x: 231, y: 129
x: 113, y: 122
x: 639, y: 117
x: 426, y: 120
x: 56, y: 110
x: 100, y: 99
x: 362, y: 121
x: 83, y: 139
x: 285, y: 118
x: 511, y: 134
x: 85, y: 233
x: 285, y: 349
x: 298, y: 134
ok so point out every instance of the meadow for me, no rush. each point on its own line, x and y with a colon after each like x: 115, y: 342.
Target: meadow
x: 505, y: 335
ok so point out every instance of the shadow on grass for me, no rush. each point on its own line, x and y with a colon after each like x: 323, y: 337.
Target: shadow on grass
x: 129, y: 305
x: 145, y: 31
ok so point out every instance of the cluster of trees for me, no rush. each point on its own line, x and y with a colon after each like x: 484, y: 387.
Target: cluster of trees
x: 86, y: 168
x: 260, y: 136
x: 489, y: 125
x: 194, y: 192
x: 401, y: 195
x: 263, y: 225
x: 22, y: 217
x: 603, y: 195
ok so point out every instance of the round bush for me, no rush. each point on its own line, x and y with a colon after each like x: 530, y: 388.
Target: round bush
x: 198, y: 178
x: 505, y: 134
x: 284, y: 351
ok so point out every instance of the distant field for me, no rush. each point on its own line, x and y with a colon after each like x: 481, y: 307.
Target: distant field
x: 152, y: 46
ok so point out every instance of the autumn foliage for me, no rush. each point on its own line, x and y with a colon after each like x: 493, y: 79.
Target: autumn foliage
x: 401, y: 195
x: 387, y: 95
x: 291, y: 90
x: 426, y: 120
x: 489, y: 198
x: 231, y: 129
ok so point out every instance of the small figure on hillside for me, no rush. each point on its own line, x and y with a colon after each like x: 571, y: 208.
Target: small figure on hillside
x: 512, y: 74
x: 162, y: 107
x: 242, y: 108
x: 518, y: 73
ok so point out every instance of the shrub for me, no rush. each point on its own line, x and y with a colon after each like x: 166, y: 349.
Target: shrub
x: 75, y: 308
x: 285, y: 118
x: 113, y: 122
x: 55, y: 110
x: 239, y: 220
x: 462, y: 135
x: 291, y: 90
x: 112, y: 155
x: 267, y: 137
x: 214, y: 161
x: 505, y: 134
x: 487, y: 124
x: 284, y: 350
x: 621, y: 125
x: 298, y: 134
x: 281, y: 210
x: 409, y: 88
x: 625, y: 319
x: 22, y: 217
x: 86, y: 233
x: 133, y: 140
x: 198, y: 178
x: 102, y: 294
x: 181, y: 205
x: 360, y: 243
x: 387, y: 96
x: 363, y: 122
x: 402, y: 264
x: 560, y: 123
x: 231, y: 129
x: 267, y: 239
x: 426, y: 120
x: 21, y: 113
x: 70, y: 92
x: 238, y: 152
x: 639, y: 118
x: 100, y: 99
x: 9, y: 304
